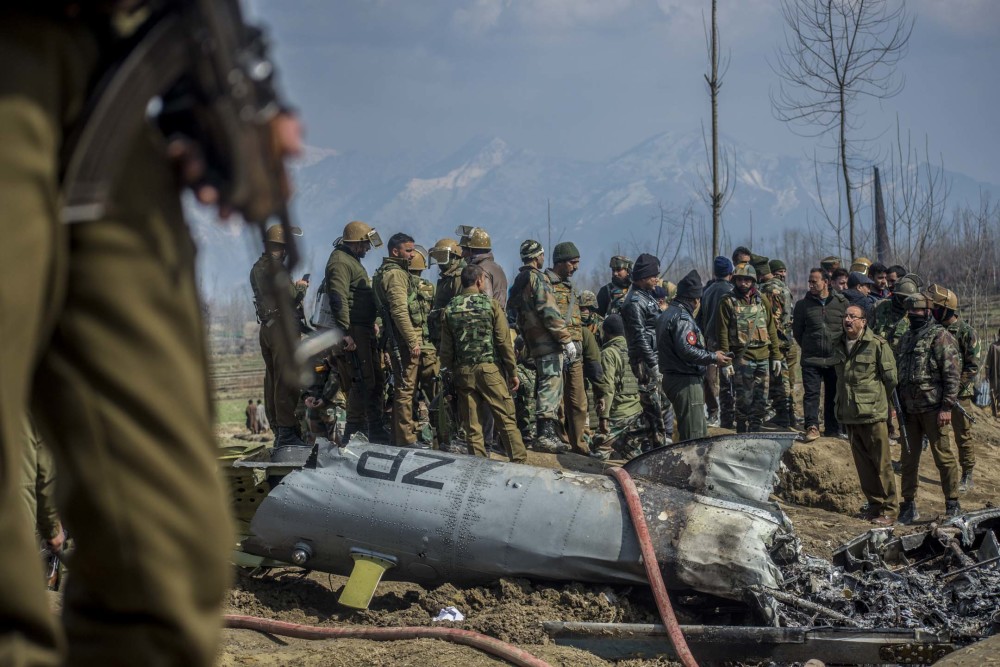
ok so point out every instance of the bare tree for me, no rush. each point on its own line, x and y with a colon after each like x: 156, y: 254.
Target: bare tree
x: 721, y: 190
x: 836, y: 53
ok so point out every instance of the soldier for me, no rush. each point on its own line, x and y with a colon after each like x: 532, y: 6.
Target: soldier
x: 830, y: 264
x: 866, y: 378
x: 546, y: 334
x: 620, y: 414
x: 779, y: 391
x: 447, y: 254
x: 890, y: 315
x: 707, y: 318
x: 684, y: 358
x: 281, y: 391
x: 611, y: 295
x: 945, y: 311
x: 930, y: 374
x: 861, y: 265
x: 639, y: 313
x: 789, y: 350
x: 38, y: 486
x: 747, y: 335
x: 524, y: 397
x: 817, y: 324
x: 476, y: 347
x: 476, y: 249
x: 589, y: 315
x: 993, y: 375
x: 353, y: 304
x: 394, y: 291
x: 421, y: 305
x: 565, y: 262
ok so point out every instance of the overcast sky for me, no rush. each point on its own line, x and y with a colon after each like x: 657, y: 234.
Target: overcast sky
x: 591, y: 78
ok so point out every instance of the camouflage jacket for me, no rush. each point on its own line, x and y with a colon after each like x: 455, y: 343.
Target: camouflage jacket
x: 972, y: 355
x: 533, y: 305
x: 421, y: 304
x: 930, y: 369
x: 780, y: 297
x: 566, y: 300
x: 262, y: 270
x: 595, y: 323
x: 610, y: 298
x: 746, y: 327
x: 475, y: 331
x: 394, y: 288
x: 347, y: 284
x: 890, y: 322
x: 619, y: 387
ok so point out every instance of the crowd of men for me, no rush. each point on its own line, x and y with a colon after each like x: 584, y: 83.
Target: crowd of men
x: 471, y: 364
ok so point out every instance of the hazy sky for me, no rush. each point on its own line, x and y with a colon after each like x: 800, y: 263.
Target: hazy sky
x: 591, y: 78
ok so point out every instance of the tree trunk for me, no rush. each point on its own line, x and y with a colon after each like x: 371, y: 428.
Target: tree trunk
x: 713, y: 86
x: 846, y: 173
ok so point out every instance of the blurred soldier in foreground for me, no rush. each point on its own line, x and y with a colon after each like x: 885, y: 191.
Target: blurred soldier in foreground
x: 612, y: 294
x: 353, y: 305
x: 930, y: 374
x: 477, y: 249
x: 102, y: 332
x: 476, y: 348
x: 39, y: 490
x: 683, y: 358
x: 716, y: 397
x: 546, y: 335
x: 866, y: 378
x: 945, y: 311
x: 281, y: 390
x: 394, y: 292
x: 622, y: 425
x: 565, y: 262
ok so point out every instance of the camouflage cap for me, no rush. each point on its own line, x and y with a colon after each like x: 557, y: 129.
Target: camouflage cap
x: 746, y: 271
x: 620, y: 262
x: 587, y: 299
x: 531, y: 249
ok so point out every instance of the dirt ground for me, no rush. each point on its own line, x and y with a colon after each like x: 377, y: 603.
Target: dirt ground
x: 818, y: 491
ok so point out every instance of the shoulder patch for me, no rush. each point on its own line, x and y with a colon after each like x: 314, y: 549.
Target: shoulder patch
x: 692, y: 338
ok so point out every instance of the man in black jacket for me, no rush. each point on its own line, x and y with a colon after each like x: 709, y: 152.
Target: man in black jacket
x: 817, y: 324
x: 639, y: 312
x: 684, y: 358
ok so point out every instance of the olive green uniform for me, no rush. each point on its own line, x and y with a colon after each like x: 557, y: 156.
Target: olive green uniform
x: 281, y: 389
x: 102, y: 322
x: 38, y: 483
x: 574, y: 391
x: 348, y: 285
x: 428, y: 369
x: 394, y: 292
x: 971, y: 350
x: 866, y: 378
x: 476, y: 347
x: 621, y: 422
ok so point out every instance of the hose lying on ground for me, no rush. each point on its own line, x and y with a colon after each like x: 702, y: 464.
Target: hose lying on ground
x: 495, y: 647
x: 652, y: 567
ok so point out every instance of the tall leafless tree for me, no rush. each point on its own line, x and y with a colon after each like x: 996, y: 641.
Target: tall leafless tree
x: 836, y: 54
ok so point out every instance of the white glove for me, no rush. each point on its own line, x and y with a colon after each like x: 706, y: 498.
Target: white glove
x: 727, y: 371
x: 569, y: 349
x: 775, y: 368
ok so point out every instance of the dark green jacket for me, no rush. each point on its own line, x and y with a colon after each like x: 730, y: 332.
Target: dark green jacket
x: 263, y: 270
x: 866, y: 377
x: 347, y: 284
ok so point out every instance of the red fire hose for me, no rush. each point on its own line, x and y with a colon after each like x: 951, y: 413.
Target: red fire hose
x: 652, y: 567
x: 500, y: 649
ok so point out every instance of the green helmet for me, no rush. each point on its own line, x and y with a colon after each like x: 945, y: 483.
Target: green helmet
x: 587, y: 299
x: 745, y: 270
x: 474, y: 238
x: 908, y: 285
x: 531, y: 249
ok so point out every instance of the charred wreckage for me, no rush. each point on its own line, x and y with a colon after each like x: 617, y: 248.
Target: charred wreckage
x: 726, y: 551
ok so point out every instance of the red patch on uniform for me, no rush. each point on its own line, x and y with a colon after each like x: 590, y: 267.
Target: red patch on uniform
x: 692, y: 338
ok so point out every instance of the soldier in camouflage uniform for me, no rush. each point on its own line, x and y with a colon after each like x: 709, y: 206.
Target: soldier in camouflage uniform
x: 946, y: 313
x: 593, y: 339
x: 789, y: 350
x: 622, y: 425
x: 589, y: 315
x: 524, y: 397
x: 476, y: 347
x: 889, y: 322
x: 565, y: 262
x: 532, y: 305
x: 612, y: 294
x: 746, y: 331
x: 394, y: 291
x: 930, y: 373
x: 281, y: 391
x: 447, y: 254
x: 421, y: 304
x: 779, y: 390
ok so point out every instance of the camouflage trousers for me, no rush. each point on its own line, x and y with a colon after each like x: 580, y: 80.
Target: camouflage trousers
x: 779, y: 391
x: 748, y: 380
x: 627, y: 437
x: 548, y: 386
x: 524, y: 400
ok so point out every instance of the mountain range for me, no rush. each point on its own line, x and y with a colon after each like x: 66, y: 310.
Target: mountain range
x: 604, y: 207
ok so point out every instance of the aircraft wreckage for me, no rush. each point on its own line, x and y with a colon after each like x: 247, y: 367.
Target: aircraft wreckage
x: 372, y: 511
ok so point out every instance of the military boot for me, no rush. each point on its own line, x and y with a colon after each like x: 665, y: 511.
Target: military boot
x: 966, y: 483
x: 908, y: 512
x: 288, y: 437
x: 378, y: 433
x: 547, y: 439
x: 952, y: 508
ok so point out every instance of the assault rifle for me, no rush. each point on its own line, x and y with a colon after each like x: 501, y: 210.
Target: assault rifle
x: 196, y: 67
x: 390, y: 340
x: 965, y: 413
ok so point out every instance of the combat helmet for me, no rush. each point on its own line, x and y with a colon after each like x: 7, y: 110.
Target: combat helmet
x: 861, y: 265
x: 419, y: 260
x: 587, y: 300
x: 444, y: 251
x: 474, y: 238
x: 620, y: 262
x: 276, y: 234
x: 356, y: 230
x: 908, y: 285
x: 745, y: 270
x: 942, y: 296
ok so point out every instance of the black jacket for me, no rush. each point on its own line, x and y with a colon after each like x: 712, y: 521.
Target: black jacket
x: 639, y: 312
x: 708, y: 316
x: 818, y: 326
x: 679, y: 342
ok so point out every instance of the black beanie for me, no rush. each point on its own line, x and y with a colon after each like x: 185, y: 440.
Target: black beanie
x: 690, y: 286
x: 614, y: 326
x: 645, y: 266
